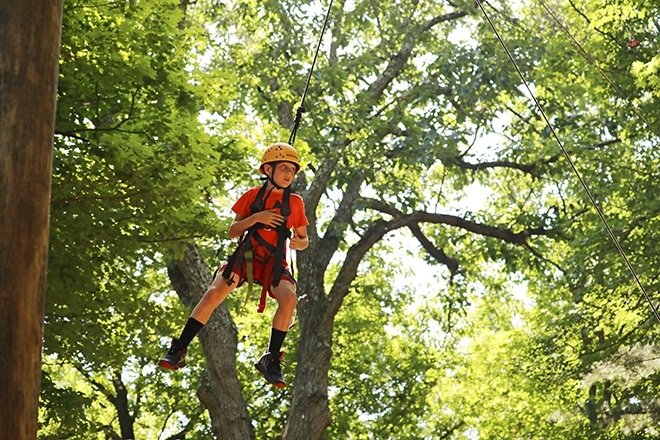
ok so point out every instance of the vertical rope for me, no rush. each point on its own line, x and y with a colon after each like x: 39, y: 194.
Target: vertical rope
x: 301, y: 108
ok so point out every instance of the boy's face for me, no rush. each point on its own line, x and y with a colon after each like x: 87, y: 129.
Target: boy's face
x: 282, y: 172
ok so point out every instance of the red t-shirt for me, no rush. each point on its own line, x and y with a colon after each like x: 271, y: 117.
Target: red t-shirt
x: 296, y: 219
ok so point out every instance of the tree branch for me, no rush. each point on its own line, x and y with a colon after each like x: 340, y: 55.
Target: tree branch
x: 437, y: 253
x: 504, y: 234
x: 399, y: 60
x: 525, y: 168
x: 339, y: 223
x: 442, y: 18
x: 603, y: 33
x: 379, y: 228
x: 312, y: 195
x: 116, y: 127
x: 542, y: 258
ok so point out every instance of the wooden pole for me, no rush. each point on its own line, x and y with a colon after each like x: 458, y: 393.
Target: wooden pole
x: 29, y: 50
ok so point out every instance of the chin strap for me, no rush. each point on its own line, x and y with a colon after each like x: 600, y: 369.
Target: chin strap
x: 271, y: 179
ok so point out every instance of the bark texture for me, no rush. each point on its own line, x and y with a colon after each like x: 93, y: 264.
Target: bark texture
x: 220, y: 391
x: 29, y: 50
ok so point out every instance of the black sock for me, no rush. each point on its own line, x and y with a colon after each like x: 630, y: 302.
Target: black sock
x: 276, y: 341
x: 191, y: 329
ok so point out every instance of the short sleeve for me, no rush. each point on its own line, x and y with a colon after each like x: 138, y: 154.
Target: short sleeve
x: 242, y: 205
x: 297, y: 217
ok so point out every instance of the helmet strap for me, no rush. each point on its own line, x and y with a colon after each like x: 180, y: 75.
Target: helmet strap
x: 272, y: 175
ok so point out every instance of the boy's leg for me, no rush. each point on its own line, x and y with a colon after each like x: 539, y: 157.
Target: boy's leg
x: 175, y: 357
x: 213, y: 297
x: 285, y: 294
x: 276, y: 340
x: 269, y: 364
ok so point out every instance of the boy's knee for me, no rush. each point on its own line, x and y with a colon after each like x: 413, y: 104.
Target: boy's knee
x: 213, y: 293
x: 287, y: 298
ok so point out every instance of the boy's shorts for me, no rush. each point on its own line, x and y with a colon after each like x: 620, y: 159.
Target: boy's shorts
x: 258, y: 273
x: 259, y: 270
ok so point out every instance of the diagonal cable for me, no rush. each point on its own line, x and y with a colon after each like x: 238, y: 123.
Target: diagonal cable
x: 594, y: 63
x: 654, y: 309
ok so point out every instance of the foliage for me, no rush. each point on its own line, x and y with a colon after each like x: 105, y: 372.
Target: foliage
x: 134, y: 174
x: 383, y: 368
x: 547, y: 338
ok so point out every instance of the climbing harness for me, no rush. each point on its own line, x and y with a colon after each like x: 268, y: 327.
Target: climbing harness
x: 583, y: 183
x: 246, y: 251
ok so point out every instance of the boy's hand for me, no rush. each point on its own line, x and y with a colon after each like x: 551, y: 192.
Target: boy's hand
x: 297, y: 243
x: 270, y: 218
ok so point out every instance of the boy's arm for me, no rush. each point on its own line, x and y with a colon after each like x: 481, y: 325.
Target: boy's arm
x: 299, y: 240
x: 241, y: 224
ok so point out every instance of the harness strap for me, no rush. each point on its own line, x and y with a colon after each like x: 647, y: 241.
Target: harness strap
x: 249, y: 269
x: 245, y: 244
x: 283, y: 234
x: 262, y: 242
x: 268, y: 271
x: 260, y: 201
x: 244, y: 251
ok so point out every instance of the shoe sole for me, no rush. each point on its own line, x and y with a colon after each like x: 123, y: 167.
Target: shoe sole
x: 264, y: 373
x: 169, y: 366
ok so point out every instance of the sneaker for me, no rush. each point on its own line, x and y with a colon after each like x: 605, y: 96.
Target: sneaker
x: 175, y: 357
x: 269, y: 367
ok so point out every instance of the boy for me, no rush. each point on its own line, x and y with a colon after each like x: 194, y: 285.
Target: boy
x: 264, y: 218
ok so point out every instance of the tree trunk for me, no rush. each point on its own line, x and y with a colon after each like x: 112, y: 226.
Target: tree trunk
x: 29, y: 48
x: 219, y: 391
x: 309, y: 414
x: 120, y: 401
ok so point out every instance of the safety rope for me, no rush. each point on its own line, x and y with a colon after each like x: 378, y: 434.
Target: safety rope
x: 301, y: 107
x: 594, y: 63
x: 654, y: 309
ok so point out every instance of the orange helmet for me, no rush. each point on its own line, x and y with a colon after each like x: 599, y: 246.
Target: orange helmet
x: 280, y: 152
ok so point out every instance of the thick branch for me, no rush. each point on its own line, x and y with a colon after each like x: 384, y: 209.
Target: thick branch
x: 378, y: 229
x: 342, y: 218
x: 504, y: 234
x: 442, y: 18
x: 120, y: 401
x: 400, y: 59
x: 523, y: 167
x: 319, y: 184
x: 437, y: 253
